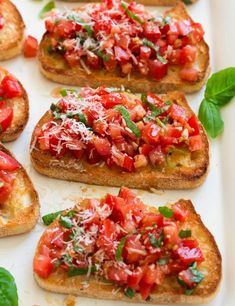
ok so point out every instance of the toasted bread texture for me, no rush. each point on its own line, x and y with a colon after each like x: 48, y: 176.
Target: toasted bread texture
x: 20, y: 107
x: 148, y: 2
x: 12, y: 33
x: 55, y: 68
x: 167, y: 293
x: 19, y: 213
x: 187, y: 173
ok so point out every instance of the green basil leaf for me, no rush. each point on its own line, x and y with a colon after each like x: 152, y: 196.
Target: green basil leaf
x: 118, y: 255
x: 54, y: 107
x: 210, y: 117
x: 105, y: 57
x: 185, y: 233
x: 130, y: 124
x: 8, y: 290
x: 166, y: 211
x: 80, y: 271
x: 157, y: 243
x: 49, y: 218
x: 64, y: 91
x: 129, y: 292
x: 220, y: 87
x: 47, y: 8
x: 66, y: 222
x: 130, y: 14
x: 197, y: 275
x: 82, y: 22
x: 67, y: 259
x: 187, y: 1
x: 150, y: 44
x: 162, y: 261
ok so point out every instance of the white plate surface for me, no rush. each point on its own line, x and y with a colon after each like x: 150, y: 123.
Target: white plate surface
x: 214, y: 200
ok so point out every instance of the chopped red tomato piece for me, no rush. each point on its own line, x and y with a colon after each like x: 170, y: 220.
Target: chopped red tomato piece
x: 180, y: 213
x: 7, y: 162
x: 194, y: 123
x: 151, y: 133
x: 42, y: 265
x: 195, y: 143
x: 64, y: 28
x: 157, y: 69
x: 151, y: 31
x: 135, y: 277
x: 1, y: 22
x: 102, y: 146
x: 6, y: 116
x: 133, y: 250
x: 189, y: 74
x: 188, y: 255
x: 6, y: 185
x: 30, y: 46
x: 11, y: 87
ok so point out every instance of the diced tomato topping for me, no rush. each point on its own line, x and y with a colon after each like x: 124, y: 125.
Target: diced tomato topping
x: 42, y: 265
x: 145, y: 52
x: 133, y: 250
x: 194, y: 124
x: 171, y: 234
x: 6, y: 185
x: 157, y: 69
x: 11, y: 87
x: 188, y: 255
x: 92, y: 60
x: 128, y: 163
x: 151, y: 31
x: 187, y: 277
x: 180, y: 213
x: 102, y: 146
x: 177, y: 112
x: 145, y: 289
x: 195, y: 143
x: 30, y: 46
x: 6, y: 116
x: 151, y: 133
x: 64, y: 28
x: 120, y: 54
x: 1, y: 22
x: 189, y: 74
x: 7, y: 162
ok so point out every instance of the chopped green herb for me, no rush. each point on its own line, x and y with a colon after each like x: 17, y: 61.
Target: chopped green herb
x: 162, y: 261
x: 81, y: 117
x: 105, y: 57
x: 130, y: 124
x: 78, y: 249
x: 64, y: 91
x: 150, y: 44
x: 67, y: 259
x: 49, y: 218
x: 166, y: 211
x: 197, y: 275
x: 188, y: 291
x: 47, y: 8
x: 129, y: 292
x: 118, y: 255
x: 54, y: 108
x: 185, y: 233
x: 8, y: 289
x: 73, y: 271
x: 160, y: 123
x: 157, y: 243
x: 187, y: 1
x: 57, y: 263
x: 66, y: 222
x: 82, y: 22
x: 131, y: 14
x: 155, y: 110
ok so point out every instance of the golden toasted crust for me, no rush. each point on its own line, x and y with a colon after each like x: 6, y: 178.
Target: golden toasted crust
x: 69, y: 168
x: 55, y: 68
x: 20, y: 107
x: 12, y: 34
x: 19, y: 213
x: 168, y: 292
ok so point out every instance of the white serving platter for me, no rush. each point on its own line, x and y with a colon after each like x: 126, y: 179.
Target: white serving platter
x: 214, y: 200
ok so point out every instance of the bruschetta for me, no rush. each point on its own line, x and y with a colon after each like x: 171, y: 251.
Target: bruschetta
x: 148, y: 2
x: 116, y: 44
x: 19, y: 204
x: 11, y: 30
x: 14, y: 107
x: 111, y: 137
x: 117, y: 248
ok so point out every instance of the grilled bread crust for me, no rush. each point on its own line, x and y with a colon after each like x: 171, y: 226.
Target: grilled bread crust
x: 167, y: 293
x: 54, y: 67
x: 12, y: 34
x: 69, y: 168
x: 20, y: 107
x: 20, y: 212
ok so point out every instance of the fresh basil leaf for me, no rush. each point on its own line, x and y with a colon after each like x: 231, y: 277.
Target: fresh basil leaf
x: 8, y: 290
x: 129, y: 292
x: 105, y: 57
x: 220, y: 87
x: 162, y: 261
x: 66, y: 222
x: 49, y: 218
x: 80, y: 271
x: 65, y: 91
x: 187, y: 1
x: 67, y: 259
x: 130, y: 124
x: 118, y: 255
x: 47, y: 8
x: 82, y: 22
x: 157, y: 243
x: 166, y: 211
x: 150, y: 44
x: 54, y: 107
x: 185, y: 233
x: 209, y: 115
x: 131, y: 14
x: 197, y: 275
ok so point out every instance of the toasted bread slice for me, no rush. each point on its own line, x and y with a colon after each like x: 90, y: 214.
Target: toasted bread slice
x: 19, y: 213
x: 12, y: 33
x: 190, y: 174
x: 55, y: 68
x: 148, y: 2
x: 20, y: 107
x: 168, y: 292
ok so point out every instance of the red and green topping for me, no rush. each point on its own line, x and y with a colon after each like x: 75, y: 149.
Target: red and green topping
x: 116, y: 128
x: 1, y: 22
x: 7, y: 167
x: 122, y: 241
x: 9, y: 89
x: 116, y: 35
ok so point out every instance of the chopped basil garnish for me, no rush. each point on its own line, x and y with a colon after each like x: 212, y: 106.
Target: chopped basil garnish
x: 157, y: 243
x: 66, y: 222
x: 160, y: 123
x: 67, y: 259
x: 54, y: 108
x: 151, y: 45
x: 185, y: 233
x: 47, y: 8
x: 73, y: 271
x: 162, y: 261
x: 129, y: 292
x: 101, y: 54
x: 131, y: 14
x: 81, y: 117
x: 130, y: 124
x: 166, y: 211
x: 82, y: 22
x: 8, y: 289
x: 118, y: 255
x: 49, y: 218
x: 64, y: 91
x: 187, y: 1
